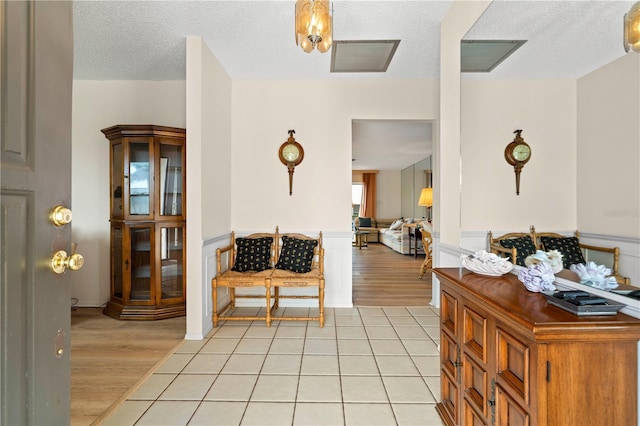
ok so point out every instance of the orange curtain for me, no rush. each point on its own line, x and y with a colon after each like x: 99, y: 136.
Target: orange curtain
x: 368, y: 204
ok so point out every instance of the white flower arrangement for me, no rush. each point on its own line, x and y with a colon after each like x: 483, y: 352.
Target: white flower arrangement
x: 484, y: 263
x: 593, y: 275
x: 552, y: 257
x: 538, y: 277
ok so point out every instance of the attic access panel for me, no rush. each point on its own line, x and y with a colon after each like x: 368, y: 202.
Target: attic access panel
x: 362, y: 55
x: 485, y: 55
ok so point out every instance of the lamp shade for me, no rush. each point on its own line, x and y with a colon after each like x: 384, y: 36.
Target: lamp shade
x: 632, y: 28
x: 426, y: 197
x: 313, y: 25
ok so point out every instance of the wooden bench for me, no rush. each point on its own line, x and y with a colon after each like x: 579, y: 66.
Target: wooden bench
x: 528, y: 242
x: 269, y: 260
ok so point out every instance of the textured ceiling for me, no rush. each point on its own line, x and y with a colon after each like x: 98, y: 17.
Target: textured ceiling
x: 145, y: 40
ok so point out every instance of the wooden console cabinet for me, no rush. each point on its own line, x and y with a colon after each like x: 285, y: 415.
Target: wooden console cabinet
x: 510, y: 358
x: 148, y: 234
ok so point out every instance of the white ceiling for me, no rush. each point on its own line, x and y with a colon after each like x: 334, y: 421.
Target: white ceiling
x: 145, y: 40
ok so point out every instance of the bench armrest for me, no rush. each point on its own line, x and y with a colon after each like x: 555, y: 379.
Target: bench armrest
x: 219, y: 253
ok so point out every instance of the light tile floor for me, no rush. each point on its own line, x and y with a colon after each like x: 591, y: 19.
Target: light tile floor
x: 367, y: 366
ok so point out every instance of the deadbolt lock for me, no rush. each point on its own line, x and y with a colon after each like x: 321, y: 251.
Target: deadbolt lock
x: 60, y: 215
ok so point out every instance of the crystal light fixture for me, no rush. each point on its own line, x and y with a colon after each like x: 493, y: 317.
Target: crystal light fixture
x: 313, y: 25
x: 632, y: 28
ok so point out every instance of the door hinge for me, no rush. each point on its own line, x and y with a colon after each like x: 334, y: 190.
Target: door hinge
x: 492, y: 402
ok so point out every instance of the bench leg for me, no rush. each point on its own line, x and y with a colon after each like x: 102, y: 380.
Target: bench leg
x: 321, y: 303
x: 267, y: 286
x: 276, y: 296
x: 214, y: 296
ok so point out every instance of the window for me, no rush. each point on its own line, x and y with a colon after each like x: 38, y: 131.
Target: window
x: 356, y: 198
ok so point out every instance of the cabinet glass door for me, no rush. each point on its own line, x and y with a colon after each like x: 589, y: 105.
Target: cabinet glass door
x: 172, y: 258
x: 171, y: 179
x: 141, y: 263
x: 117, y: 278
x: 139, y: 179
x: 117, y: 173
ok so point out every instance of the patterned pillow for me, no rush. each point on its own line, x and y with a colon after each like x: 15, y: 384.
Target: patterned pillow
x: 524, y: 245
x: 296, y: 254
x: 253, y: 254
x: 569, y: 247
x: 364, y: 222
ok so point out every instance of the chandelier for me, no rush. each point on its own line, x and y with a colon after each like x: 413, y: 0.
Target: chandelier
x: 313, y: 25
x: 632, y: 28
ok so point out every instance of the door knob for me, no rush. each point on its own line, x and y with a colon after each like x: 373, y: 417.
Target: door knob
x: 60, y: 261
x: 60, y: 215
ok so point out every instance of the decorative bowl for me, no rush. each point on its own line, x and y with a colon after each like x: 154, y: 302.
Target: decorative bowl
x: 488, y: 264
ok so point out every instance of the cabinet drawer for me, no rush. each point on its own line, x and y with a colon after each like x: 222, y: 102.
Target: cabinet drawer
x: 508, y: 411
x: 513, y: 364
x: 476, y: 387
x: 449, y: 313
x: 475, y: 333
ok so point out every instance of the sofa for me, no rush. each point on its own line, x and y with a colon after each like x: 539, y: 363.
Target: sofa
x: 373, y: 226
x: 393, y: 233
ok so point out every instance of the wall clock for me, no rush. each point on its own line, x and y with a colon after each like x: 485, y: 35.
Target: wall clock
x: 517, y: 154
x: 291, y: 154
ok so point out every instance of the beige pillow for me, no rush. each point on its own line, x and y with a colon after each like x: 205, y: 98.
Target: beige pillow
x: 396, y: 225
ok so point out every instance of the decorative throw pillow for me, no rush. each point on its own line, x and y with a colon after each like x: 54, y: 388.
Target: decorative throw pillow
x: 296, y: 254
x: 524, y: 245
x: 569, y: 247
x: 396, y: 225
x: 252, y: 254
x: 365, y: 222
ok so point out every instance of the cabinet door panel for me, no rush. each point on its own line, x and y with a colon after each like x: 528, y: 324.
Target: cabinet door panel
x: 471, y: 418
x: 475, y: 380
x: 509, y: 412
x: 449, y: 397
x: 449, y: 313
x: 475, y: 334
x: 601, y: 374
x: 513, y: 364
x: 449, y: 354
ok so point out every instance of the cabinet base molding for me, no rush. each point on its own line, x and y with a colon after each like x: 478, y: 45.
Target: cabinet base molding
x: 144, y: 313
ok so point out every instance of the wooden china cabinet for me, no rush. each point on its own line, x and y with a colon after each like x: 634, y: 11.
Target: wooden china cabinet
x: 508, y: 357
x: 147, y: 192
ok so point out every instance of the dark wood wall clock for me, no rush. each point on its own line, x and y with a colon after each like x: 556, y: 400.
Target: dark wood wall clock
x: 291, y: 154
x: 517, y: 153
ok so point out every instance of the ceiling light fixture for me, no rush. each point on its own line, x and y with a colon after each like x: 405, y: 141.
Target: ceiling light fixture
x: 632, y: 28
x: 313, y: 25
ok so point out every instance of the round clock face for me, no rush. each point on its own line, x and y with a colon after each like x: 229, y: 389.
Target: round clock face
x: 521, y: 152
x: 291, y: 153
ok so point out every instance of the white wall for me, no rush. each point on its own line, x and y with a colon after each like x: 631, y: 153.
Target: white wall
x: 321, y: 112
x: 389, y: 194
x: 208, y: 178
x: 546, y: 111
x: 608, y: 160
x: 97, y: 105
x: 609, y: 149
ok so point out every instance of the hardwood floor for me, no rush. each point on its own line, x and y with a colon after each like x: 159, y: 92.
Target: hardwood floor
x: 383, y: 277
x: 109, y: 356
